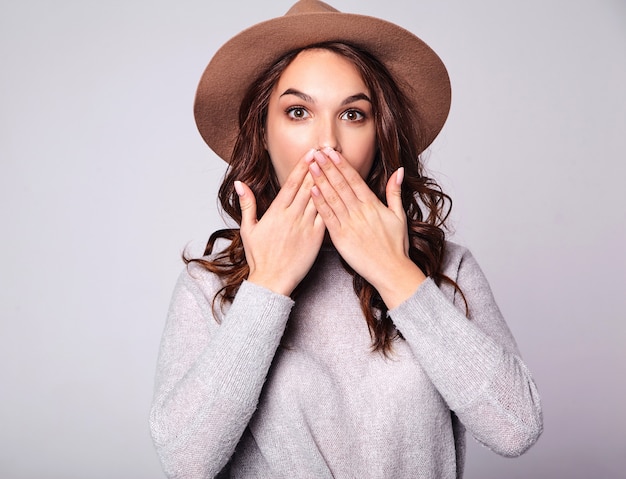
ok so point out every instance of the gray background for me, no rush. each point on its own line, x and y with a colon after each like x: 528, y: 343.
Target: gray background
x: 105, y: 180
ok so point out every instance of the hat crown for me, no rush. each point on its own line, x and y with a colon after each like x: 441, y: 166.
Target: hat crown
x: 310, y: 6
x: 415, y: 67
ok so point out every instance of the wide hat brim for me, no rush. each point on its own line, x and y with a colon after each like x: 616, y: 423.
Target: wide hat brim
x: 414, y: 65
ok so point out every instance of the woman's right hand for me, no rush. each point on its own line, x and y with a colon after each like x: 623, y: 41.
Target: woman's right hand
x: 282, y: 246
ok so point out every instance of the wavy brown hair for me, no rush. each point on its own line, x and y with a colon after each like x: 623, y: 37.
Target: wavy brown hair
x: 400, y: 141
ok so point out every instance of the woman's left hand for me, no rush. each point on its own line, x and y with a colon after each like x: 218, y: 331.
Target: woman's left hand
x: 371, y: 237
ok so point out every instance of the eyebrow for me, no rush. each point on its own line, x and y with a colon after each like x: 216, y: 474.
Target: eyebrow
x: 309, y: 98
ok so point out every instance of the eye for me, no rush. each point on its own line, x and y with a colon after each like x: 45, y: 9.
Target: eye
x: 297, y: 113
x: 353, y: 115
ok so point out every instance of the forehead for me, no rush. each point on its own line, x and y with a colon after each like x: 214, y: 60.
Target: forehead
x: 321, y: 67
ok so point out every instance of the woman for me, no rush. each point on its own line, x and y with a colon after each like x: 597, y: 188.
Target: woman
x: 336, y: 333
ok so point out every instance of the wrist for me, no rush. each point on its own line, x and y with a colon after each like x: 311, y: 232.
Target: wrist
x: 271, y: 282
x: 399, y: 283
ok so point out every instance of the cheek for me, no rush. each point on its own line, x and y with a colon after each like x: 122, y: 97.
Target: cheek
x: 281, y: 157
x: 285, y: 149
x: 364, y: 154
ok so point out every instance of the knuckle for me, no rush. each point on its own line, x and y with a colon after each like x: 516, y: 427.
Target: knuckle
x: 291, y: 183
x: 343, y: 186
x: 332, y: 197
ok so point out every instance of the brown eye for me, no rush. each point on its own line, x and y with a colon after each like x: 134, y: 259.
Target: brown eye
x: 297, y: 113
x: 353, y: 115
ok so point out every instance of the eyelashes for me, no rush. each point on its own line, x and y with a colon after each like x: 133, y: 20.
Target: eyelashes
x: 352, y: 115
x: 297, y: 113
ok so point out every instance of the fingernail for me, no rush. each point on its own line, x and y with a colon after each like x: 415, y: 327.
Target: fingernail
x: 320, y: 157
x: 315, y: 169
x: 239, y: 188
x: 315, y: 191
x: 400, y: 176
x: 308, y: 158
x: 332, y: 154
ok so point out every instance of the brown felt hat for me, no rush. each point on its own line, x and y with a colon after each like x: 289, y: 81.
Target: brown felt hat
x: 413, y: 64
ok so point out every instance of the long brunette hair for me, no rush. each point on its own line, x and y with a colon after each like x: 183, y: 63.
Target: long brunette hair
x: 400, y: 141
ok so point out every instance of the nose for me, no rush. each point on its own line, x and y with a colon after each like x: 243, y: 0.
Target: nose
x: 328, y: 135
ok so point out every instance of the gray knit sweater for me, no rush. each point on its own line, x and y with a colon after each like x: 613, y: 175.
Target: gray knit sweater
x: 277, y: 389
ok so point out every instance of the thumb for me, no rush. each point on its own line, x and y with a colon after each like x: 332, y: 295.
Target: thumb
x: 394, y: 192
x: 247, y: 203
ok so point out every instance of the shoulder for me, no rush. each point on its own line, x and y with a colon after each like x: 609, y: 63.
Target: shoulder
x: 460, y: 265
x: 198, y: 281
x: 455, y: 256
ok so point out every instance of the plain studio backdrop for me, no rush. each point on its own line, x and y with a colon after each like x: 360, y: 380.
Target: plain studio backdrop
x: 105, y: 180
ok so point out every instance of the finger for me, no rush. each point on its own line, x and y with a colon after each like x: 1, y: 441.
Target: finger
x: 293, y: 183
x: 310, y: 210
x: 394, y: 192
x: 319, y: 227
x: 332, y: 198
x: 247, y: 203
x: 303, y: 196
x: 349, y: 174
x: 325, y: 171
x: 324, y: 211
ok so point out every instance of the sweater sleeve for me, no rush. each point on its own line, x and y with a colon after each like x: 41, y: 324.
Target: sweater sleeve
x: 473, y: 362
x: 210, y: 374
